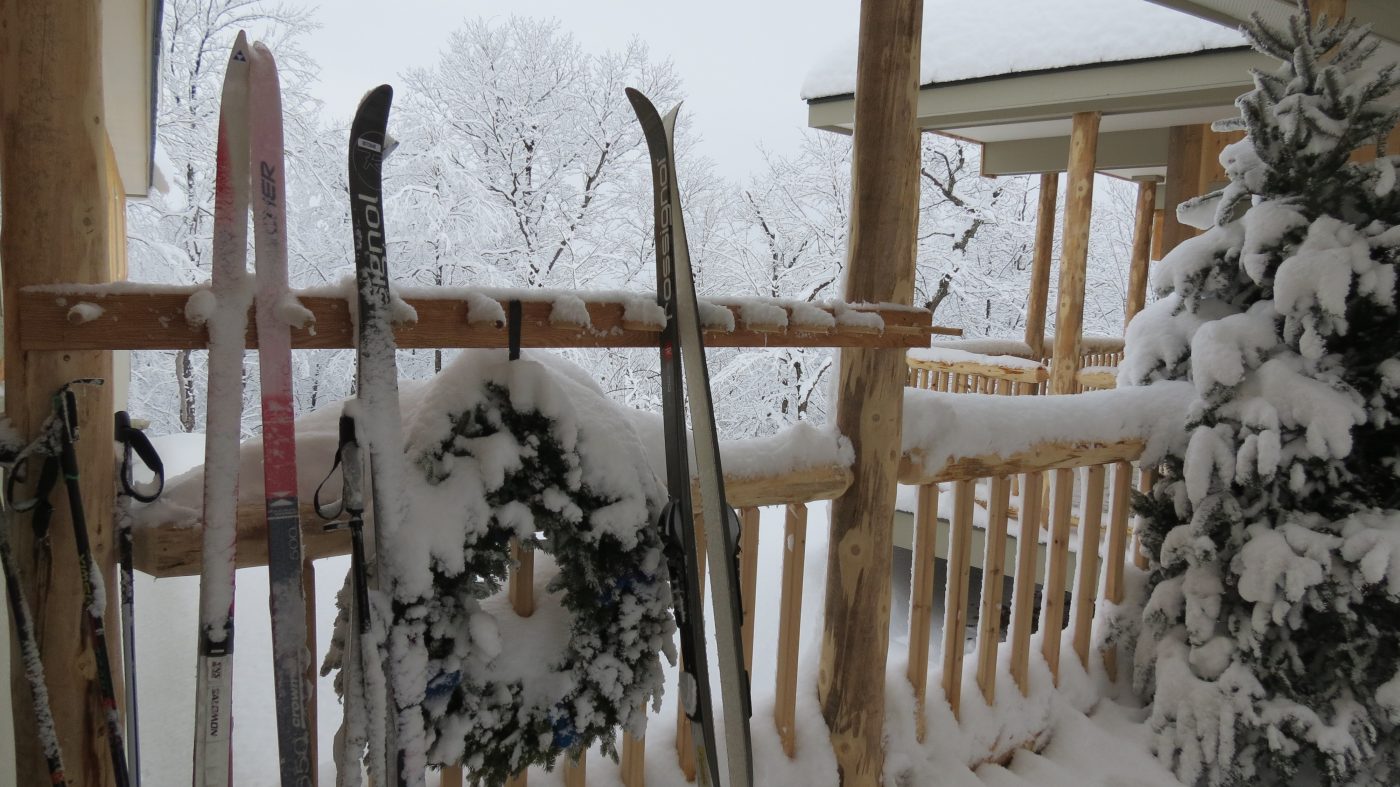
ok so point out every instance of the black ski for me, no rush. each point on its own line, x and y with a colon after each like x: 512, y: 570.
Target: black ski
x: 378, y: 422
x: 681, y: 336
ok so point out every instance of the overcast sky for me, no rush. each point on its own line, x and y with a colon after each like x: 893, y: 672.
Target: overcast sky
x: 742, y: 61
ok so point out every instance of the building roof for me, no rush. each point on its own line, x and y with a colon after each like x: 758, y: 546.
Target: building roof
x: 1010, y: 74
x: 963, y: 41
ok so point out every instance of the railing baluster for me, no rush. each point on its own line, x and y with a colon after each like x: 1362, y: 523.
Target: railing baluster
x: 633, y: 765
x: 521, y: 779
x: 685, y: 748
x: 1145, y: 481
x: 1023, y: 593
x: 1114, y: 550
x: 576, y: 771
x: 921, y: 597
x: 790, y: 625
x: 748, y: 577
x: 955, y: 599
x: 1053, y: 596
x: 450, y: 776
x: 993, y: 576
x: 1087, y: 576
x: 522, y: 579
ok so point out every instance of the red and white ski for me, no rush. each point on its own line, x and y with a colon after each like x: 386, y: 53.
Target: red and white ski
x: 227, y: 324
x: 275, y: 310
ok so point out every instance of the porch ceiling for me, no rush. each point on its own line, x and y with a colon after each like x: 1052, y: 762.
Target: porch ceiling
x: 1023, y: 120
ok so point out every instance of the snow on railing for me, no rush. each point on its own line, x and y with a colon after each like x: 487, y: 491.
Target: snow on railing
x: 1039, y: 444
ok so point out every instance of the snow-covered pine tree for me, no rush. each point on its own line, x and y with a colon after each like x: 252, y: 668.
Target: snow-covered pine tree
x: 1270, y: 643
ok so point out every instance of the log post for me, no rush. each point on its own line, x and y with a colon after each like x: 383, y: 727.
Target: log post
x: 1142, y: 249
x: 57, y: 203
x: 1183, y: 181
x: 1074, y: 257
x: 879, y: 267
x: 1039, y: 296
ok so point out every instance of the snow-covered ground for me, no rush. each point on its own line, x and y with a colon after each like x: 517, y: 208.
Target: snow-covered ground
x: 1106, y: 746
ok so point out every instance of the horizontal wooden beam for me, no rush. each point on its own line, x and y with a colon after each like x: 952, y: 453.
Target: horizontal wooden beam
x: 154, y: 319
x: 1044, y: 456
x: 1020, y: 374
x: 172, y: 549
x: 1097, y: 377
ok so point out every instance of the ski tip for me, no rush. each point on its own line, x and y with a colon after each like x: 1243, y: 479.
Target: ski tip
x: 384, y: 93
x: 261, y: 50
x: 239, y: 54
x: 640, y: 103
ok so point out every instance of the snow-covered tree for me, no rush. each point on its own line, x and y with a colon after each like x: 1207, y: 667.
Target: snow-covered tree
x: 542, y: 130
x: 1271, y: 639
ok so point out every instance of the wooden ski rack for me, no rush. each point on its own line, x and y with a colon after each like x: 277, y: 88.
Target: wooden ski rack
x: 131, y: 317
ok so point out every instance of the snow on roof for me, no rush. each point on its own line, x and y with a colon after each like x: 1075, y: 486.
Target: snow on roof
x: 992, y: 37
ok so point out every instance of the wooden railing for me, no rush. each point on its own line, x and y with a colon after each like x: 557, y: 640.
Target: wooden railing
x: 1104, y: 484
x: 999, y: 366
x: 986, y: 374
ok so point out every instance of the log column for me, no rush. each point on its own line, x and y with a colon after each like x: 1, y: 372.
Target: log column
x: 57, y: 228
x: 1074, y: 259
x: 879, y: 267
x: 1142, y: 249
x: 1040, y: 264
x: 1183, y: 181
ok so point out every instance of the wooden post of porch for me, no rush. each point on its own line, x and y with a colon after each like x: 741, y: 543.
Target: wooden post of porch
x: 57, y: 191
x: 1074, y: 257
x: 869, y: 410
x: 1142, y: 249
x: 1183, y: 181
x: 1039, y: 295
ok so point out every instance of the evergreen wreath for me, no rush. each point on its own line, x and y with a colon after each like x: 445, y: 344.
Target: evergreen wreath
x: 528, y: 456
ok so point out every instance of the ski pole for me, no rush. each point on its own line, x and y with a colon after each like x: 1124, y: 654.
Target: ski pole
x: 132, y: 440
x: 349, y: 458
x: 29, y: 652
x: 65, y: 404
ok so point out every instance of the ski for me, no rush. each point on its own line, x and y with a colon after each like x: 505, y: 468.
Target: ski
x: 274, y: 307
x: 676, y: 294
x: 378, y: 422
x: 227, y: 324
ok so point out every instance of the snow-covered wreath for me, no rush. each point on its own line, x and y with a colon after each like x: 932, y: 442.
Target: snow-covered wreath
x: 528, y: 449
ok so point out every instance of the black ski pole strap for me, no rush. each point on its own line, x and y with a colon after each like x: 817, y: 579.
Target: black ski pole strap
x: 347, y: 436
x: 134, y: 440
x: 43, y: 508
x: 513, y: 319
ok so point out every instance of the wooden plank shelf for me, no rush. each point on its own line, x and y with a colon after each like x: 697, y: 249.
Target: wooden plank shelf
x: 172, y: 549
x: 128, y: 317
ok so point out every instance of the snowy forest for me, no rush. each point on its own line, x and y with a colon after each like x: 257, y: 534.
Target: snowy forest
x: 520, y: 165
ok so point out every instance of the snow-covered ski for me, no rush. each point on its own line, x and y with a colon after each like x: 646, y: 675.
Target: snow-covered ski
x: 676, y: 294
x: 379, y: 428
x: 275, y: 308
x: 227, y: 323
